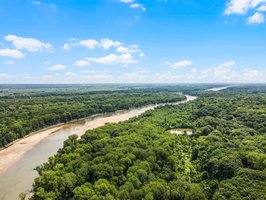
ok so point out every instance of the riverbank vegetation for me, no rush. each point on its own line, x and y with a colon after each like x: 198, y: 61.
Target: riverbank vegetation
x: 22, y: 114
x: 223, y: 159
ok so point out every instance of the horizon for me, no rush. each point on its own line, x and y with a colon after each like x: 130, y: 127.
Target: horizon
x: 133, y: 42
x: 122, y: 83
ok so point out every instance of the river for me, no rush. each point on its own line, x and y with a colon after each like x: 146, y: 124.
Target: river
x: 216, y: 89
x: 17, y: 161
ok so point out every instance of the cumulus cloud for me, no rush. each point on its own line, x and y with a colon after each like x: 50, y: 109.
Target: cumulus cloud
x: 138, y: 75
x: 82, y: 63
x: 262, y: 8
x: 88, y: 71
x: 167, y: 77
x: 57, y: 67
x: 257, y: 18
x: 10, y: 62
x: 242, y: 6
x: 138, y: 5
x: 123, y: 50
x: 90, y: 43
x: 66, y: 46
x: 133, y: 4
x: 29, y: 44
x: 194, y: 70
x: 130, y: 49
x: 111, y: 59
x: 141, y: 54
x: 123, y: 56
x: 107, y: 43
x: 71, y: 74
x: 251, y: 75
x: 46, y: 7
x: 180, y: 64
x: 224, y: 71
x: 5, y: 76
x: 126, y: 1
x: 13, y: 53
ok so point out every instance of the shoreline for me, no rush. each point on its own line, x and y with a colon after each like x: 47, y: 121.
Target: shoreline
x: 14, y: 152
x: 30, y: 134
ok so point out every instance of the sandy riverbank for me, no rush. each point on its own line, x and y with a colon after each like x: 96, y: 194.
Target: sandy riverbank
x: 10, y: 155
x: 13, y: 153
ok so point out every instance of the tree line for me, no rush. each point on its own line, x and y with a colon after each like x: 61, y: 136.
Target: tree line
x: 21, y: 115
x: 224, y: 158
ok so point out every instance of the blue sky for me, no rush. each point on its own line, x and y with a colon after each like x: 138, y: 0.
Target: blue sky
x: 132, y: 41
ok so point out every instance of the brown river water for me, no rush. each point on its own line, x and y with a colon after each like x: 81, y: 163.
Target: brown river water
x: 18, y: 161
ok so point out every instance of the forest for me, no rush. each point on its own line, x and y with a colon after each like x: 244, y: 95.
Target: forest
x: 223, y: 159
x: 24, y: 110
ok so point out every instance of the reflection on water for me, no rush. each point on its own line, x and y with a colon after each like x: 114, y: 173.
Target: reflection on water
x: 218, y: 88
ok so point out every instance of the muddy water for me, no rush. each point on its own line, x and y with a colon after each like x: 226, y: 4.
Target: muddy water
x: 20, y: 173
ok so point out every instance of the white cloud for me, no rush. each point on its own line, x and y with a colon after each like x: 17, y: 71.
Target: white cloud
x: 5, y: 76
x: 88, y: 72
x: 124, y: 57
x: 257, y: 18
x: 133, y: 4
x: 122, y: 49
x: 224, y: 72
x: 11, y: 53
x: 25, y: 76
x: 82, y: 63
x: 262, y: 8
x: 138, y: 5
x: 139, y: 75
x: 29, y: 44
x: 180, y: 64
x: 57, y: 67
x: 130, y: 49
x: 227, y: 64
x: 46, y: 62
x: 194, y: 70
x: 50, y: 7
x: 66, y: 46
x: 111, y: 59
x: 10, y: 62
x: 141, y: 54
x: 251, y: 75
x: 242, y: 6
x: 107, y: 43
x: 167, y: 77
x: 230, y: 74
x: 227, y: 73
x: 71, y: 74
x: 90, y: 43
x: 126, y: 1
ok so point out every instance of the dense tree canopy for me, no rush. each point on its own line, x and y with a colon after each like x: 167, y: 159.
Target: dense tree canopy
x: 21, y: 114
x: 224, y: 158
